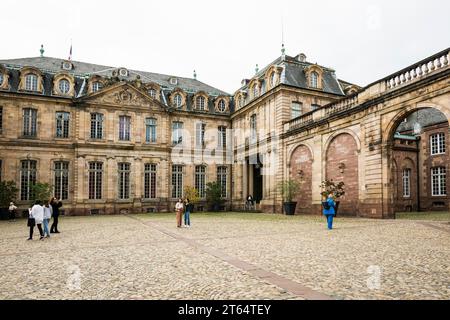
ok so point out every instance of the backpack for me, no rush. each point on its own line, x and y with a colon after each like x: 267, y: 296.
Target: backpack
x: 326, y: 205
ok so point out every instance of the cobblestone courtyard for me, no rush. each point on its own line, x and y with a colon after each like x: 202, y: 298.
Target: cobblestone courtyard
x: 227, y: 256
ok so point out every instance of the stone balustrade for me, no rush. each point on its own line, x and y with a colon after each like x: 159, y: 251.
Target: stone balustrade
x: 415, y: 72
x: 418, y: 70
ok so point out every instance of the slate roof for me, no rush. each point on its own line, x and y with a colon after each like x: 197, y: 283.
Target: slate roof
x: 426, y: 117
x: 294, y: 75
x: 50, y: 66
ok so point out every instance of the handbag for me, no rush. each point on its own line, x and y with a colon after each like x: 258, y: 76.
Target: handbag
x: 31, y: 222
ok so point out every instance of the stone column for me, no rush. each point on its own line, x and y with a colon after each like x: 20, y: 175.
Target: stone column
x: 245, y: 179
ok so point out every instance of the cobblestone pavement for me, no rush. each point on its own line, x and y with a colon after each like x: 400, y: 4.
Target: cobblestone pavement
x: 227, y: 257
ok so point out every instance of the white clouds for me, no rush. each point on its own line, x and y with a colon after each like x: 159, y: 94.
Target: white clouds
x: 223, y: 40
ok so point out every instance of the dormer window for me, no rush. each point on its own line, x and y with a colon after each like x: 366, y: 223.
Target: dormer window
x: 173, y: 81
x: 67, y: 65
x: 96, y: 86
x: 314, y: 83
x: 152, y: 93
x: 255, y: 91
x: 64, y: 86
x: 273, y: 80
x: 200, y: 103
x: 31, y: 82
x: 123, y: 72
x: 177, y: 100
x: 1, y: 79
x: 222, y: 105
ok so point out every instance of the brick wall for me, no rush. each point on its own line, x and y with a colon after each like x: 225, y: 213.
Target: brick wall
x: 342, y: 165
x: 301, y: 171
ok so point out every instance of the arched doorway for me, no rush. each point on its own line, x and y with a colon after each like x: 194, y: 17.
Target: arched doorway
x: 342, y: 165
x: 419, y: 161
x: 301, y: 171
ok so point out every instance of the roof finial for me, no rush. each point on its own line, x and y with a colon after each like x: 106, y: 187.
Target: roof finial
x: 42, y: 50
x: 195, y: 75
x: 256, y: 69
x: 283, y: 50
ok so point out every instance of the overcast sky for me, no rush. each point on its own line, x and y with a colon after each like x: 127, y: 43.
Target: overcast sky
x: 223, y: 40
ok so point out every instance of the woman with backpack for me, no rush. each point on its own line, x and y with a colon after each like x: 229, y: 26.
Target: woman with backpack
x: 329, y: 210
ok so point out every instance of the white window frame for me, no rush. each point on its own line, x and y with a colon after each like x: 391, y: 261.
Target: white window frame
x: 64, y: 86
x: 437, y: 143
x: 406, y: 178
x: 31, y: 82
x: 438, y: 182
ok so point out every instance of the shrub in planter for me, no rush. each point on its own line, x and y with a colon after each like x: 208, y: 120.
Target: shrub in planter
x: 214, y: 195
x: 289, y: 188
x: 8, y: 192
x: 337, y: 190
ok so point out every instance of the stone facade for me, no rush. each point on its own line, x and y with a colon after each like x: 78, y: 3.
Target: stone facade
x: 292, y: 120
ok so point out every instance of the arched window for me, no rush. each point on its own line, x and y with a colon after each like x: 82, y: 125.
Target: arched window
x: 314, y: 80
x: 200, y: 103
x: 222, y: 105
x: 255, y: 91
x: 177, y: 100
x: 96, y: 86
x: 152, y: 93
x: 31, y: 82
x: 273, y: 80
x: 64, y: 86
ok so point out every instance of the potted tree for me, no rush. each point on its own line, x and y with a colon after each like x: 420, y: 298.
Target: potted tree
x: 192, y: 194
x: 289, y: 188
x: 333, y: 188
x: 41, y: 191
x: 214, y: 195
x: 8, y: 192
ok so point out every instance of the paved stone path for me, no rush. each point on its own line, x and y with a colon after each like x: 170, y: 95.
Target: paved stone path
x: 227, y: 257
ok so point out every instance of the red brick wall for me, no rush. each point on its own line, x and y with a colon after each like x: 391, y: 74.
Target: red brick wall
x: 343, y: 151
x: 301, y: 171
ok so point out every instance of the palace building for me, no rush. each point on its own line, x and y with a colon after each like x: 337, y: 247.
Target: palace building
x: 113, y: 140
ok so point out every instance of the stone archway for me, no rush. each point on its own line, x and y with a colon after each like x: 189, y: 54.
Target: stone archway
x: 301, y: 171
x: 409, y: 160
x: 342, y: 158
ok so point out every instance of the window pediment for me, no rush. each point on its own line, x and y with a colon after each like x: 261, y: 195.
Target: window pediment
x: 60, y: 83
x: 31, y: 80
x: 314, y: 77
x: 201, y: 101
x: 178, y: 98
x: 222, y: 104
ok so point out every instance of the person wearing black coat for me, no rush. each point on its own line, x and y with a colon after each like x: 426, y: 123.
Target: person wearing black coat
x: 56, y: 204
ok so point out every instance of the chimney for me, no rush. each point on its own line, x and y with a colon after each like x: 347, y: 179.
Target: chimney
x: 301, y: 57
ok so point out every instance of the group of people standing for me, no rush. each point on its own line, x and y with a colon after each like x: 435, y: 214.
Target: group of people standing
x: 40, y: 214
x: 184, y: 207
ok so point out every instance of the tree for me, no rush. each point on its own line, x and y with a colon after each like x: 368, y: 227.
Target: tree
x: 214, y: 195
x: 289, y: 188
x: 331, y: 187
x: 41, y: 191
x: 192, y: 194
x: 8, y: 193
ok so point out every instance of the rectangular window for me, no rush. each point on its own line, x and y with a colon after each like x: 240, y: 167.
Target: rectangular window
x: 222, y: 179
x: 62, y: 124
x: 439, y: 181
x: 29, y: 122
x: 95, y: 180
x: 31, y: 82
x: 406, y: 183
x: 200, y: 180
x: 1, y: 119
x: 200, y: 134
x: 437, y: 143
x: 177, y: 132
x: 61, y: 183
x: 222, y: 137
x: 28, y: 169
x: 124, y: 128
x: 150, y: 181
x: 253, y: 127
x: 150, y: 130
x: 177, y: 181
x: 96, y: 126
x: 296, y: 109
x: 124, y: 180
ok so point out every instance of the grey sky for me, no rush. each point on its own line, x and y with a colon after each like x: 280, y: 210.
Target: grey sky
x: 223, y: 40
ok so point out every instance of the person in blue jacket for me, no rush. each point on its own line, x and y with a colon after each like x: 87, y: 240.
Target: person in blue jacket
x: 329, y: 210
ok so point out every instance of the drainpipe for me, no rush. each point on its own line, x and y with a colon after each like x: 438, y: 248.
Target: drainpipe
x: 417, y: 173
